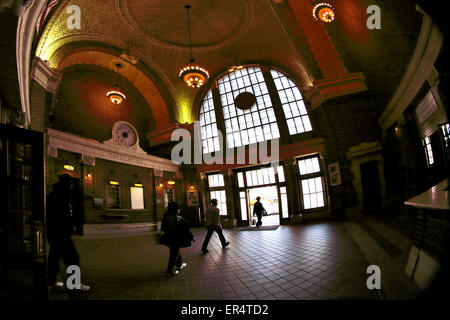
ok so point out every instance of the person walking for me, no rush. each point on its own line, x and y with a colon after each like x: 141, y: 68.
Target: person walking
x: 177, y: 235
x: 213, y: 224
x: 60, y: 227
x: 258, y: 210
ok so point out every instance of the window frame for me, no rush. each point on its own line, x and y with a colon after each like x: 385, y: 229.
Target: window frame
x: 118, y: 202
x: 279, y: 184
x: 427, y: 146
x: 215, y: 189
x: 273, y: 97
x: 281, y: 76
x: 319, y: 174
x: 235, y: 120
x: 131, y: 198
x: 444, y: 129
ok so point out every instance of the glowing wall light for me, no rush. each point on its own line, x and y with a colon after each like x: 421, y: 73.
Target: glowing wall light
x: 323, y: 12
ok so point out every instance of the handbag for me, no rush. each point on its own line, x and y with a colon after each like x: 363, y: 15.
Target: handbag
x: 253, y: 221
x: 161, y: 238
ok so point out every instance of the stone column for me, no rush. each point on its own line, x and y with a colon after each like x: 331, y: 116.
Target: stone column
x: 44, y: 84
x: 293, y: 192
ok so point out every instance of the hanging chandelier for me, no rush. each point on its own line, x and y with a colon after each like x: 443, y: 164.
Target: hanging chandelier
x: 192, y: 74
x: 116, y: 96
x: 324, y: 12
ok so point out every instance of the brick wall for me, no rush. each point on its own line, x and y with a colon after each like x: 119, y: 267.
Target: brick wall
x: 344, y: 123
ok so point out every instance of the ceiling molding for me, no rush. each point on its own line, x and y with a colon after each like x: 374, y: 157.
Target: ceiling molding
x: 421, y: 66
x: 306, y: 75
x: 47, y: 77
x: 25, y: 32
x: 107, y: 151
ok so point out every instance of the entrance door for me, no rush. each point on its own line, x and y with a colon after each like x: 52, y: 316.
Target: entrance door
x: 371, y: 185
x: 270, y: 201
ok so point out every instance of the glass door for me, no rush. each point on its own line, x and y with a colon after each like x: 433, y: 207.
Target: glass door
x: 22, y: 195
x: 269, y: 184
x: 270, y: 202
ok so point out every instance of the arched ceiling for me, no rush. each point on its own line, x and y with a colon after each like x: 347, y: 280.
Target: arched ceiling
x: 232, y: 32
x: 129, y: 71
x: 82, y: 107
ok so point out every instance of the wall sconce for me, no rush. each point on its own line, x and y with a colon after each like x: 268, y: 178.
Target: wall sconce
x: 88, y: 176
x: 68, y: 167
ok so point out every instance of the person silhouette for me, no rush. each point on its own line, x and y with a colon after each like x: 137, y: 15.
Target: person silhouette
x: 60, y: 227
x: 178, y: 236
x: 258, y: 210
x: 213, y: 224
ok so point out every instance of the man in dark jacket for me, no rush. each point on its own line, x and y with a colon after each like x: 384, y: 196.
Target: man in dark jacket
x: 60, y: 227
x: 258, y: 210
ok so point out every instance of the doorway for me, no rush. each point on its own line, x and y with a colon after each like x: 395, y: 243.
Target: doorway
x: 370, y: 181
x: 270, y: 202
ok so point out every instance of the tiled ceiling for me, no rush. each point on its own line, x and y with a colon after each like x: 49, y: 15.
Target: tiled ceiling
x: 233, y: 32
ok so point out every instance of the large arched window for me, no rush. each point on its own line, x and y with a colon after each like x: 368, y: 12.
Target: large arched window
x: 292, y: 102
x: 208, y: 125
x: 260, y: 122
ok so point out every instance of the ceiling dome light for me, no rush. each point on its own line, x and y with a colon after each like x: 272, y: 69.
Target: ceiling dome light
x: 116, y: 96
x: 193, y: 75
x: 324, y: 12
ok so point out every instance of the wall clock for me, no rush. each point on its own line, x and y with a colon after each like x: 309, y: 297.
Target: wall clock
x: 125, y: 134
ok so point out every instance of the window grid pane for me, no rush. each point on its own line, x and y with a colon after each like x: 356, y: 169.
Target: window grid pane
x: 284, y: 203
x: 446, y: 134
x: 240, y: 179
x: 280, y: 171
x: 208, y: 125
x: 308, y: 166
x: 221, y: 199
x: 311, y: 180
x: 428, y: 151
x: 312, y: 191
x: 243, y: 206
x: 292, y: 102
x: 215, y: 180
x: 258, y: 123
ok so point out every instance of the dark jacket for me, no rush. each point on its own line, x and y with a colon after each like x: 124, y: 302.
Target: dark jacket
x: 258, y: 208
x: 176, y: 230
x: 59, y: 221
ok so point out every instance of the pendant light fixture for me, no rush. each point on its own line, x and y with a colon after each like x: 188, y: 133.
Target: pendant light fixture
x: 324, y: 12
x: 116, y: 96
x: 192, y: 74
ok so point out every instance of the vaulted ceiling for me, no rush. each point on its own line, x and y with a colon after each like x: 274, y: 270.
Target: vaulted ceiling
x: 150, y: 39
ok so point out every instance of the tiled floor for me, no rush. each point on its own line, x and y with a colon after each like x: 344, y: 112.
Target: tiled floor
x: 312, y: 262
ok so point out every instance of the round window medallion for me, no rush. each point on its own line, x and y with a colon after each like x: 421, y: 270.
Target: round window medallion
x: 245, y: 100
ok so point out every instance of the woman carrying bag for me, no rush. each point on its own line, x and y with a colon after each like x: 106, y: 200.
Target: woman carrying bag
x: 176, y: 235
